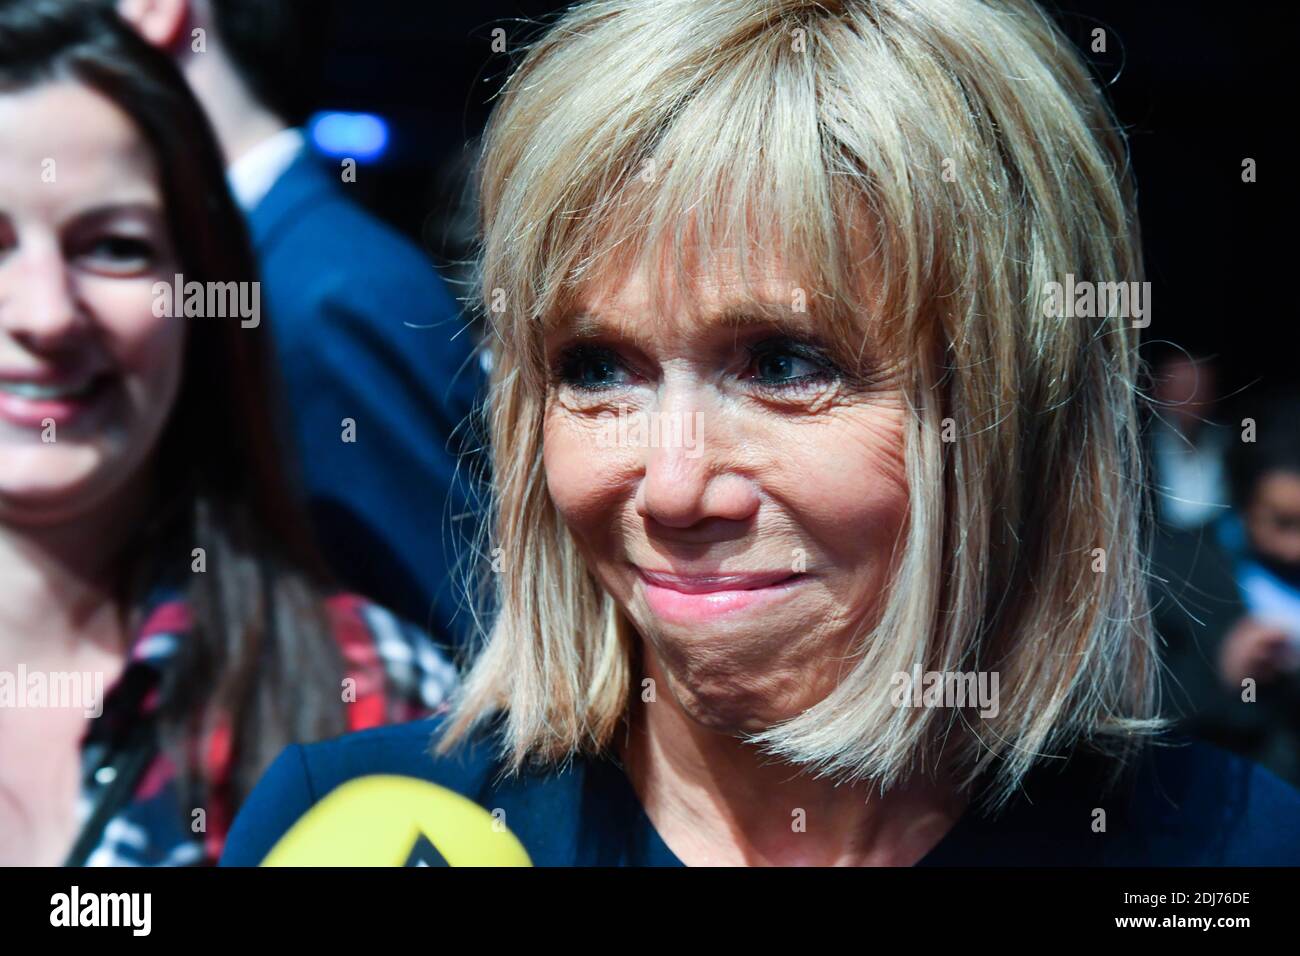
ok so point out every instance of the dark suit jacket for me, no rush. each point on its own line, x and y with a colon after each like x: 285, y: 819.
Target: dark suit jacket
x: 1196, y: 602
x: 1183, y: 806
x: 366, y: 330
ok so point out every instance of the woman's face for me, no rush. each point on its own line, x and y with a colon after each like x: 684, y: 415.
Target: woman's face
x: 88, y: 374
x: 744, y: 510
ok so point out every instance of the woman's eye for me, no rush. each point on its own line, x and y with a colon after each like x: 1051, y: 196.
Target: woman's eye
x: 591, y: 368
x: 119, y: 253
x: 787, y: 364
x: 778, y: 367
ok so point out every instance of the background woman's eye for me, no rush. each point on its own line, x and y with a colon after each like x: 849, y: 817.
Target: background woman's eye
x: 591, y: 368
x: 119, y: 253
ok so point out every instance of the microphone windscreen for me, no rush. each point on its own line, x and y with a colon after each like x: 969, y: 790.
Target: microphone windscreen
x: 384, y: 820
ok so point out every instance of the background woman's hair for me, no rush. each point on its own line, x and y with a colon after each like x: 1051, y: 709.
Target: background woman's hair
x: 961, y: 152
x: 260, y: 653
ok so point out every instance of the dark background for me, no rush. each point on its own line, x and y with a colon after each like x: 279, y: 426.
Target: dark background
x: 1199, y: 86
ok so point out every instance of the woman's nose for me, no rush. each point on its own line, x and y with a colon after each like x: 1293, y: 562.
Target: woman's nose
x: 689, y: 475
x: 38, y: 300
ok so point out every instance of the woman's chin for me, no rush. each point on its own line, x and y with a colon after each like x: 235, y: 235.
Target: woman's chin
x: 730, y: 719
x: 58, y: 487
x: 727, y: 707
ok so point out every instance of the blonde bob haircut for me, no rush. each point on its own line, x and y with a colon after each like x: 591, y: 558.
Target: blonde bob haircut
x: 958, y: 152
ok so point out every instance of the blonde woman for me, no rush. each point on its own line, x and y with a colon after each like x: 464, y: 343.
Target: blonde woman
x: 818, y: 503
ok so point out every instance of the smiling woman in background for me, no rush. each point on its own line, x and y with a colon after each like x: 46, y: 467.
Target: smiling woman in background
x: 811, y: 243
x: 149, y: 551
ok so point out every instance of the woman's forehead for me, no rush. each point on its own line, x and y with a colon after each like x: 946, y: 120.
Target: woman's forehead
x: 640, y: 304
x: 717, y: 286
x: 693, y: 289
x: 97, y: 156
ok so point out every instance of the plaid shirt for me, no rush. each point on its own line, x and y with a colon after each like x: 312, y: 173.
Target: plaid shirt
x: 396, y: 668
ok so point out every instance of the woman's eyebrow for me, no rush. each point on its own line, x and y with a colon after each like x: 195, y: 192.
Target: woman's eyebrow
x: 148, y: 214
x: 737, y: 317
x: 589, y: 325
x: 581, y: 325
x: 778, y: 317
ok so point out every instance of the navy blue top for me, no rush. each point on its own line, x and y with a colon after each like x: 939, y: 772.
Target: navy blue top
x: 1189, y: 805
x: 366, y: 329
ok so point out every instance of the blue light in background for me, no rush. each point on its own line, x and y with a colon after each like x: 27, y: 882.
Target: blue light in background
x: 359, y: 136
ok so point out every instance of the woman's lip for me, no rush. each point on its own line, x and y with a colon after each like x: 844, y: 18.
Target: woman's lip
x: 712, y: 583
x: 714, y: 596
x: 34, y: 412
x: 50, y: 376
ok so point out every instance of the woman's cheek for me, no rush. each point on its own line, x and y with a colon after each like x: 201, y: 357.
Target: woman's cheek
x: 866, y: 480
x: 125, y: 309
x: 847, y: 488
x: 122, y: 306
x: 585, y: 470
x: 159, y: 355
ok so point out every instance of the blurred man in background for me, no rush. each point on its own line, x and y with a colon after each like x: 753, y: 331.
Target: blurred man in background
x: 1187, y: 444
x: 378, y: 371
x: 1227, y: 599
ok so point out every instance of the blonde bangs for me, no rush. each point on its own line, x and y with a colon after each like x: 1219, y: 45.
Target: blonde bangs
x: 719, y: 162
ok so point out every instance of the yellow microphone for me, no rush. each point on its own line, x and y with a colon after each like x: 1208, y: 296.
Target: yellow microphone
x: 385, y: 820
